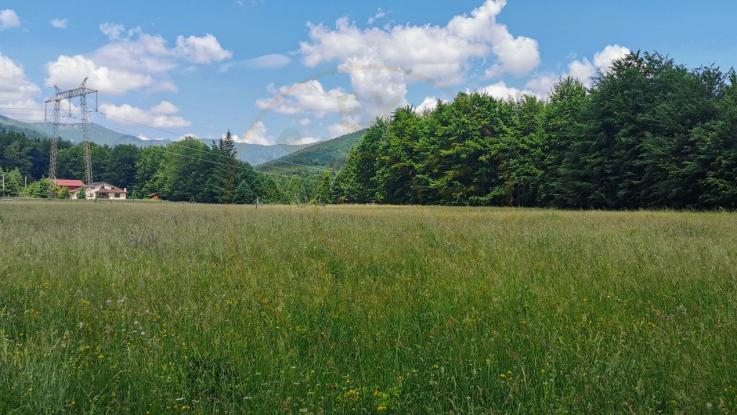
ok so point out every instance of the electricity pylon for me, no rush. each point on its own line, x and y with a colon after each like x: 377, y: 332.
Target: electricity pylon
x: 82, y: 91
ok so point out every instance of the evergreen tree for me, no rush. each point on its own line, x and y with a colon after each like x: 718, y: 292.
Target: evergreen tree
x: 718, y: 152
x: 225, y: 175
x: 151, y: 168
x: 188, y: 168
x: 357, y: 181
x: 324, y: 190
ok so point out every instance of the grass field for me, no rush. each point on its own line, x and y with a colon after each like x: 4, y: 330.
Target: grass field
x: 164, y: 308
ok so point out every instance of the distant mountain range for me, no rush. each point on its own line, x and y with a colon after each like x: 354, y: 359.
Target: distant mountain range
x: 331, y: 154
x: 254, y: 154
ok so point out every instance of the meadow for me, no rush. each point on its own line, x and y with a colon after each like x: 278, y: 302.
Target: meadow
x: 177, y: 308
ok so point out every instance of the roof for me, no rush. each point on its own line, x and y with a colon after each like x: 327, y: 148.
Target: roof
x: 110, y: 191
x: 106, y: 187
x: 69, y: 183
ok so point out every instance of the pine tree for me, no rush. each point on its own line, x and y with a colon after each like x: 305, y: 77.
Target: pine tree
x: 221, y: 185
x: 324, y: 195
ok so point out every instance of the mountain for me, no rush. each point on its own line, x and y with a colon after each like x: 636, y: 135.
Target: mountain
x: 98, y: 134
x: 331, y: 154
x: 9, y: 124
x: 254, y: 154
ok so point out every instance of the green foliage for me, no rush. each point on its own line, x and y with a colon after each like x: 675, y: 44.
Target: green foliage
x: 45, y: 189
x: 324, y: 192
x: 331, y: 154
x: 649, y: 134
x: 186, y: 171
x: 12, y: 181
x: 150, y: 176
x: 298, y: 175
x: 121, y: 165
x: 356, y: 183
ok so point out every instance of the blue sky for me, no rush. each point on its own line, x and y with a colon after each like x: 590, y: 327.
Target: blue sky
x: 276, y: 71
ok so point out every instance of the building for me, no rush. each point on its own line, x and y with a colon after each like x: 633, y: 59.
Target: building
x: 72, y: 185
x: 102, y: 191
x: 154, y: 196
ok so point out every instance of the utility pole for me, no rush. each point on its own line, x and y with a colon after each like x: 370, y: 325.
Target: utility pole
x: 82, y: 91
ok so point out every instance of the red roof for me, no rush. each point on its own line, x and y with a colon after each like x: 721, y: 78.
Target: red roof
x: 72, y: 184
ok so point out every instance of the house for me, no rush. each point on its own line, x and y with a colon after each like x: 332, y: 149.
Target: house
x: 72, y: 185
x: 102, y: 191
x: 154, y: 196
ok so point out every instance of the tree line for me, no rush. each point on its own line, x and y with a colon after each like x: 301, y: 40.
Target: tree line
x: 189, y: 170
x: 648, y: 134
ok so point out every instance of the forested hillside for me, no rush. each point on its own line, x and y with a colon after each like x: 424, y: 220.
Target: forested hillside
x: 331, y: 154
x: 649, y: 134
x: 299, y: 175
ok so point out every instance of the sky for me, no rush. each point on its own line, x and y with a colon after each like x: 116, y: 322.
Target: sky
x: 286, y: 72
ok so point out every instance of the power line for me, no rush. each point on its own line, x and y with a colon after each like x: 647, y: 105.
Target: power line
x: 173, y: 133
x: 277, y: 161
x: 207, y: 152
x: 166, y: 150
x: 176, y: 134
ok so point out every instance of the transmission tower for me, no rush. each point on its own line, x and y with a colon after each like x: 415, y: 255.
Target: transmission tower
x: 82, y: 91
x: 54, y: 133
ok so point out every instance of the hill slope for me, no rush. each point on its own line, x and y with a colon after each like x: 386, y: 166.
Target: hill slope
x: 253, y: 154
x: 11, y: 125
x: 331, y: 154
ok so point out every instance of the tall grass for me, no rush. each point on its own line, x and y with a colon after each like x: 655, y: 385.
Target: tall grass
x: 163, y: 308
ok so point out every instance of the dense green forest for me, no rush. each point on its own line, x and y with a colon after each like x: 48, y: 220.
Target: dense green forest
x: 185, y: 171
x: 649, y: 134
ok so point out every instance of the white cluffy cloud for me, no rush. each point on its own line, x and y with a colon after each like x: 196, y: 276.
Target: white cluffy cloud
x: 133, y: 60
x: 584, y: 70
x: 202, y: 50
x: 428, y: 105
x: 602, y: 63
x: 8, y: 19
x: 348, y: 124
x: 162, y: 115
x: 501, y: 90
x: 59, y: 23
x: 17, y: 93
x: 112, y: 30
x: 68, y: 71
x: 309, y: 97
x: 257, y: 134
x: 382, y: 62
